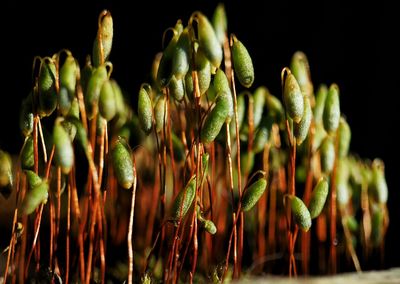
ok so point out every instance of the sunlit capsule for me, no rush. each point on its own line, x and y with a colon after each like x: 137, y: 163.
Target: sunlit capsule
x: 34, y: 197
x: 243, y: 64
x: 64, y: 152
x: 344, y: 138
x: 181, y: 56
x: 301, y: 70
x: 26, y: 116
x: 68, y: 75
x: 378, y: 186
x: 102, y: 48
x: 64, y: 101
x: 220, y: 23
x: 331, y: 114
x: 6, y: 176
x: 318, y: 198
x: 208, y: 40
x: 27, y: 155
x: 99, y: 76
x: 342, y: 182
x: 184, y: 200
x: 107, y: 105
x: 47, y: 91
x: 210, y: 227
x: 253, y: 193
x: 301, y: 215
x: 160, y: 112
x: 122, y: 163
x: 145, y: 110
x: 327, y: 151
x: 176, y: 88
x: 33, y: 179
x: 221, y: 84
x: 215, y: 119
x: 293, y: 98
x: 320, y: 98
x: 301, y: 128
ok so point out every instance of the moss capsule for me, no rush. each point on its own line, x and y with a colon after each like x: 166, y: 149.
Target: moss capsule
x: 210, y: 227
x: 34, y: 197
x: 27, y: 155
x: 377, y: 228
x: 253, y: 193
x: 243, y: 64
x: 181, y: 55
x: 64, y: 152
x: 318, y: 198
x: 96, y: 81
x: 378, y: 186
x: 26, y: 116
x: 176, y: 88
x: 319, y: 106
x: 327, y: 151
x: 6, y: 175
x: 301, y: 215
x: 331, y: 114
x: 102, y: 48
x: 184, y: 200
x: 221, y: 84
x: 68, y: 75
x: 47, y: 91
x: 293, y: 98
x: 107, y: 104
x: 301, y: 70
x: 301, y: 129
x: 145, y: 110
x: 160, y: 112
x: 220, y: 23
x: 260, y: 139
x: 344, y: 138
x: 122, y: 163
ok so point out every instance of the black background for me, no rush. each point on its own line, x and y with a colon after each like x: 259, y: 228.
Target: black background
x: 352, y: 44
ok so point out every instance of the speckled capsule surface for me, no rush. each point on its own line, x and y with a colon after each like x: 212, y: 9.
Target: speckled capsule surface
x: 318, y: 198
x: 105, y: 32
x: 243, y: 64
x: 184, y: 199
x: 301, y: 129
x: 293, y: 98
x: 327, y: 151
x: 145, y: 110
x: 221, y: 84
x: 301, y: 215
x: 27, y: 155
x: 331, y: 114
x: 344, y: 138
x: 253, y: 193
x: 122, y: 163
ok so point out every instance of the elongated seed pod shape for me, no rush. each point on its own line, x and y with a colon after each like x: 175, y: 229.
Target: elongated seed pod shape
x: 331, y: 115
x: 105, y: 33
x: 27, y: 155
x: 301, y: 215
x: 203, y: 68
x: 107, y: 105
x: 318, y: 198
x: 253, y: 193
x: 119, y: 99
x: 342, y: 182
x: 159, y: 113
x: 301, y: 70
x: 220, y: 23
x: 301, y: 129
x: 260, y: 139
x: 96, y: 81
x: 327, y: 151
x: 68, y: 75
x: 319, y: 106
x: 208, y: 41
x: 274, y: 107
x: 184, y: 199
x: 210, y: 227
x: 258, y: 104
x: 33, y: 179
x: 122, y: 163
x: 293, y: 98
x: 145, y: 110
x: 344, y: 138
x: 5, y: 169
x: 215, y: 119
x: 64, y: 152
x: 242, y: 63
x: 181, y: 55
x: 64, y: 101
x: 35, y: 197
x: 378, y: 186
x: 176, y: 88
x: 47, y: 92
x: 26, y: 116
x: 221, y: 84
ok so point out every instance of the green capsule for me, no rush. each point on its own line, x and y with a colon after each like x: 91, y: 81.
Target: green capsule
x: 331, y: 114
x: 208, y: 41
x: 184, y: 200
x: 33, y: 179
x: 107, y: 104
x: 327, y: 151
x: 220, y: 23
x: 64, y: 101
x: 181, y: 56
x: 164, y: 70
x: 34, y: 197
x: 6, y: 175
x: 74, y: 109
x: 378, y: 186
x: 344, y: 138
x: 301, y: 70
x: 120, y: 105
x: 203, y: 69
x: 319, y: 136
x: 64, y: 152
x: 81, y: 134
x: 179, y: 149
x: 274, y: 107
x: 318, y: 198
x: 253, y: 193
x: 342, y: 182
x: 47, y: 91
x: 99, y: 76
x: 26, y: 116
x: 86, y: 74
x: 377, y: 225
x: 260, y: 139
x: 258, y: 104
x: 352, y: 223
x: 293, y: 98
x: 70, y: 128
x: 176, y: 88
x: 301, y: 129
x: 27, y: 155
x: 320, y: 99
x: 242, y: 63
x: 145, y: 111
x: 68, y: 75
x: 103, y: 41
x: 246, y: 161
x: 122, y: 163
x: 159, y: 113
x: 210, y: 227
x: 221, y: 84
x: 215, y: 119
x: 300, y: 213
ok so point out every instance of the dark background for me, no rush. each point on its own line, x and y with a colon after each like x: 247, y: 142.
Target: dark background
x: 352, y: 44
